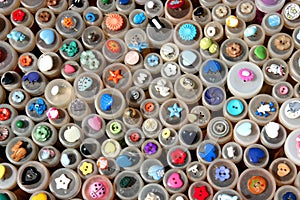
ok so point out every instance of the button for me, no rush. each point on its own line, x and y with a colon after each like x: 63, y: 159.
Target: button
x: 166, y: 133
x: 244, y: 129
x: 135, y: 137
x: 234, y: 50
x: 115, y: 128
x: 265, y: 109
x: 124, y: 161
x: 189, y: 137
x: 246, y: 74
x: 72, y: 134
x: 62, y: 182
x: 132, y: 58
x: 156, y: 172
x: 187, y: 83
x: 235, y: 107
x: 98, y: 190
x: 30, y: 176
x: 232, y: 21
x: 4, y: 133
x: 175, y: 4
x: 188, y: 57
x: 274, y: 20
x: 199, y: 11
x: 4, y: 196
x: 55, y: 90
x: 48, y: 36
x: 272, y: 129
x: 42, y: 133
x: 68, y: 22
x: 95, y: 123
x: 283, y: 90
x: 19, y: 152
x: 292, y: 11
x: 246, y: 7
x: 257, y: 184
x: 256, y: 155
x: 276, y: 69
x: 260, y: 52
x: 84, y: 83
x: 115, y: 76
x: 214, y: 96
x: 200, y: 193
x: 292, y: 110
x: 175, y: 110
x: 211, y: 31
x: 282, y: 42
x: 86, y: 168
x: 161, y: 88
x: 150, y: 148
x: 91, y: 17
x: 149, y: 107
x: 16, y: 36
x: 178, y: 157
x: 109, y: 148
x: 106, y: 102
x: 47, y: 153
x: 205, y: 43
x: 250, y: 31
x: 152, y: 60
x: 69, y: 69
x: 72, y: 49
x: 187, y: 32
x: 222, y: 173
x: 2, y: 171
x: 5, y: 114
x: 220, y: 128
x: 139, y: 18
x: 39, y: 196
x: 88, y: 148
x: 20, y: 124
x: 102, y: 163
x: 289, y: 196
x: 51, y: 2
x: 175, y: 181
x: 7, y: 78
x: 25, y: 60
x: 127, y: 182
x: 221, y: 11
x: 32, y: 77
x: 170, y: 69
x: 114, y: 22
x: 150, y: 125
x: 209, y: 153
x: 152, y: 196
x: 18, y: 15
x: 283, y: 169
x: 44, y: 16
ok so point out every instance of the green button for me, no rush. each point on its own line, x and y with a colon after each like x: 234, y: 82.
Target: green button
x: 42, y: 133
x: 105, y: 1
x: 4, y: 196
x: 115, y: 128
x: 20, y: 124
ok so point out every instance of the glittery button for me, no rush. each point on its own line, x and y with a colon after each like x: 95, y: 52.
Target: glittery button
x: 274, y: 20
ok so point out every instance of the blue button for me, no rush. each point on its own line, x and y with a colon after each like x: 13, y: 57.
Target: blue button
x: 90, y: 17
x: 124, y: 161
x: 235, y: 107
x: 106, y: 102
x: 255, y: 155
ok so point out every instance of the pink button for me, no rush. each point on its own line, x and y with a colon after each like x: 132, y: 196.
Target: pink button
x: 283, y: 90
x: 132, y: 58
x: 97, y: 190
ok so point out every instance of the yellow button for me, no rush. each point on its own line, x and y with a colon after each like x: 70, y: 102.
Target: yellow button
x: 39, y: 196
x: 166, y: 133
x: 2, y: 171
x: 110, y: 148
x: 86, y: 168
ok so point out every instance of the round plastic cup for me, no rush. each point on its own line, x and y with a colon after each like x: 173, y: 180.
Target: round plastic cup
x: 235, y: 32
x: 169, y: 52
x: 8, y: 62
x: 45, y: 18
x: 190, y: 135
x: 44, y: 128
x: 110, y: 148
x: 140, y: 23
x: 6, y: 135
x: 8, y: 7
x: 154, y: 8
x: 126, y: 9
x: 256, y: 155
x: 161, y: 34
x: 246, y: 132
x: 32, y: 177
x: 172, y: 119
x: 87, y: 86
x: 294, y: 66
x: 26, y: 21
x: 256, y: 110
x: 106, y: 7
x: 78, y: 109
x: 70, y: 158
x: 109, y: 170
x: 65, y: 191
x: 30, y: 63
x: 117, y: 54
x: 16, y: 80
x: 93, y: 126
x: 87, y: 168
x: 178, y: 15
x: 257, y: 38
x: 78, y: 8
x: 134, y: 137
x: 200, y: 116
x: 133, y: 181
x: 27, y: 44
x: 2, y: 95
x: 219, y: 130
x: 92, y: 16
x: 9, y: 180
x: 284, y: 171
x: 270, y: 28
x: 297, y: 90
x: 59, y: 93
x: 70, y: 135
x: 295, y: 36
x: 49, y: 156
x: 153, y: 189
x: 135, y: 156
x: 275, y: 70
x: 208, y: 151
x: 232, y: 151
x: 66, y: 31
x: 97, y: 186
x: 233, y: 50
x: 213, y: 98
x: 116, y: 33
x: 36, y: 109
x: 59, y: 7
x: 41, y: 193
x: 175, y: 181
x: 269, y: 6
x: 213, y: 72
x: 5, y: 27
x: 266, y: 188
x: 192, y: 42
x: 8, y: 194
x: 135, y: 38
x: 235, y: 109
x: 273, y: 135
x: 214, y: 30
x: 161, y: 89
x: 33, y: 5
x: 6, y: 118
x: 200, y: 187
x: 190, y: 61
x: 203, y: 18
x: 280, y: 45
x: 196, y: 171
x: 237, y: 83
x: 152, y: 170
x: 220, y: 12
x: 246, y: 10
x: 227, y: 193
x: 93, y: 38
x: 222, y: 174
x: 76, y: 49
x: 18, y: 102
x: 290, y: 21
x: 282, y: 91
x: 287, y: 191
x: 168, y: 138
x: 25, y: 128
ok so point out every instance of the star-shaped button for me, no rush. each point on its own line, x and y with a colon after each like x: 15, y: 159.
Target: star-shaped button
x: 175, y: 110
x: 62, y: 182
x: 115, y: 76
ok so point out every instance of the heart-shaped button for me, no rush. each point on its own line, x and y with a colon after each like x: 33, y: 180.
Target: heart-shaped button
x: 174, y: 181
x: 47, y: 36
x: 69, y: 69
x: 30, y: 176
x: 255, y: 155
x: 156, y: 172
x: 109, y: 148
x: 188, y: 58
x: 244, y: 129
x: 95, y: 123
x: 189, y: 137
x: 124, y: 161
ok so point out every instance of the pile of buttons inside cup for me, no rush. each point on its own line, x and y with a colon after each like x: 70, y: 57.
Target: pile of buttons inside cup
x: 149, y: 99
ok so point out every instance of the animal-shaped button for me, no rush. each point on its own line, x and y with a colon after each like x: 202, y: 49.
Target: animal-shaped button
x: 97, y: 190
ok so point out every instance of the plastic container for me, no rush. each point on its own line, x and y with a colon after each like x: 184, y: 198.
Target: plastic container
x: 201, y: 15
x: 42, y: 193
x: 25, y: 42
x: 78, y: 6
x: 132, y: 118
x: 269, y: 6
x: 32, y: 177
x: 281, y: 45
x: 246, y: 132
x: 220, y: 12
x: 44, y: 134
x: 256, y: 155
x: 69, y: 188
x: 8, y: 62
x: 78, y: 109
x: 219, y: 130
x: 5, y: 26
x: 284, y: 171
x: 154, y: 8
x: 288, y: 114
x: 106, y: 7
x: 213, y: 98
x: 110, y: 148
x: 93, y: 38
x: 254, y: 34
x: 130, y: 159
x: 9, y: 179
x: 8, y: 7
x: 71, y: 49
x: 152, y: 170
x: 126, y: 9
x: 114, y: 50
x: 245, y: 80
x: 232, y: 151
x: 153, y: 190
x: 92, y: 16
x: 196, y: 171
x: 180, y: 13
x: 275, y: 70
x: 190, y: 61
x: 208, y: 151
x: 49, y: 156
x: 27, y: 20
x: 58, y: 7
x: 273, y: 135
x: 272, y: 23
x: 175, y: 181
x: 227, y: 193
x: 296, y: 37
x: 22, y: 125
x: 33, y: 5
x: 214, y: 30
x: 289, y: 13
x: 287, y: 191
x: 60, y: 117
x: 70, y: 135
x: 6, y: 135
x: 293, y: 66
x: 169, y: 52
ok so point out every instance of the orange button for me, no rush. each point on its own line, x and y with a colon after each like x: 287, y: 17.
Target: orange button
x: 25, y: 60
x: 257, y: 184
x: 114, y: 22
x: 149, y: 107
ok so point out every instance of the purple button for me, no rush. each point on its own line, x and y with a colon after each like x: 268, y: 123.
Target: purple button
x: 214, y: 96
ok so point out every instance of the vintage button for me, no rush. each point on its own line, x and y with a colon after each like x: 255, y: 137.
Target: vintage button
x: 68, y: 22
x: 292, y: 11
x: 188, y: 58
x: 102, y: 163
x: 189, y: 137
x: 289, y: 196
x: 25, y: 60
x: 106, y: 102
x: 127, y: 182
x: 246, y: 74
x: 65, y: 159
x: 175, y: 110
x: 19, y: 152
x: 139, y: 18
x: 150, y: 124
x: 47, y: 153
x: 5, y: 114
x: 214, y: 96
x: 44, y: 16
x: 114, y: 22
x: 47, y: 36
x: 292, y: 110
x: 62, y: 182
x: 175, y: 4
x: 52, y: 2
x: 205, y: 43
x: 166, y: 133
x: 31, y: 77
x: 149, y: 107
x: 72, y: 134
x: 115, y: 128
x: 234, y: 50
x: 69, y: 69
x: 132, y: 57
x: 257, y: 184
x: 265, y: 109
x: 109, y: 148
x: 113, y: 46
x: 187, y: 32
x: 31, y: 176
x: 91, y: 17
x: 175, y: 181
x: 222, y: 173
x: 39, y: 106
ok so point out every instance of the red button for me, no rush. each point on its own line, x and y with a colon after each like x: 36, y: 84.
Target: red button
x: 134, y: 137
x: 18, y: 15
x: 175, y: 4
x: 200, y: 193
x: 178, y: 157
x: 4, y: 114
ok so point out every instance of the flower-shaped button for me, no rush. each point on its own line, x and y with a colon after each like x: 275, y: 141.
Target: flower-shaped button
x: 39, y: 106
x: 86, y: 168
x: 5, y: 114
x: 114, y: 22
x: 18, y: 15
x: 200, y: 193
x: 150, y: 148
x: 42, y: 133
x: 25, y: 60
x: 3, y: 133
x: 246, y: 74
x: 282, y: 42
x: 187, y: 32
x: 222, y: 173
x: 44, y: 16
